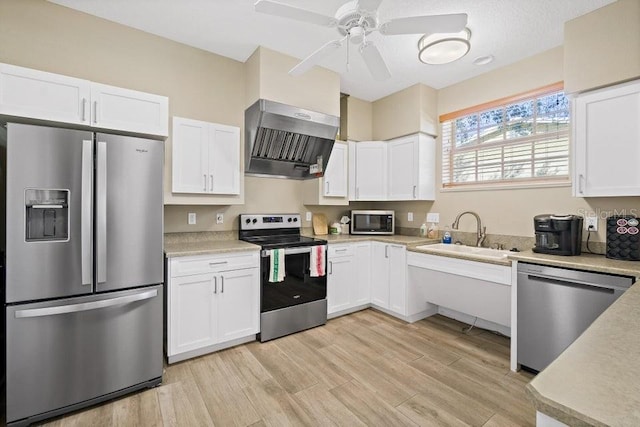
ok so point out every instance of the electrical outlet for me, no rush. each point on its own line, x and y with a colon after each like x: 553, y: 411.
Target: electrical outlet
x: 410, y: 216
x: 191, y: 218
x: 308, y: 216
x: 219, y: 218
x: 591, y: 223
x: 433, y: 217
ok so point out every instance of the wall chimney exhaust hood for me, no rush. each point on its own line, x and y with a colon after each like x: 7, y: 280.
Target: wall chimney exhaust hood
x: 283, y: 141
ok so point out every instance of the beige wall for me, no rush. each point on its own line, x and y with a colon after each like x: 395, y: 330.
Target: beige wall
x: 606, y: 42
x: 405, y: 112
x: 360, y: 119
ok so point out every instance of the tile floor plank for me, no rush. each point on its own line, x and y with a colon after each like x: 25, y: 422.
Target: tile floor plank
x: 366, y: 368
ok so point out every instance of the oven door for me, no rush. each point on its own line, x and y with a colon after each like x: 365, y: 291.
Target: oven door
x: 298, y: 287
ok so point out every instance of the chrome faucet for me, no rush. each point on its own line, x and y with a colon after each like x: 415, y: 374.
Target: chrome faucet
x: 482, y: 231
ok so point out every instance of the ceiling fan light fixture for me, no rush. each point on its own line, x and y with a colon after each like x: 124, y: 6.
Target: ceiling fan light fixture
x: 443, y: 48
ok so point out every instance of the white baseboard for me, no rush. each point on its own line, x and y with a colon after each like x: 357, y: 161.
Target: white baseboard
x: 210, y: 349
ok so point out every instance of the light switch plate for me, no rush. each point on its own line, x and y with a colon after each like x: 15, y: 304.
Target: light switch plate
x: 308, y: 216
x: 591, y: 223
x: 191, y: 218
x: 410, y: 216
x: 219, y: 218
x: 433, y: 217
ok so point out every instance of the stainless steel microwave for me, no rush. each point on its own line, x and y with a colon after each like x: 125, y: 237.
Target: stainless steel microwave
x: 373, y: 222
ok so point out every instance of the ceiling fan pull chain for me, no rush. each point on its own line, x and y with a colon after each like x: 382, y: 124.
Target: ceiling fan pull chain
x: 348, y: 48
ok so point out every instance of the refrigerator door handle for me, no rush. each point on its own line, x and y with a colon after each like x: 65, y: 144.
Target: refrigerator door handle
x: 86, y: 306
x: 86, y: 214
x: 101, y: 215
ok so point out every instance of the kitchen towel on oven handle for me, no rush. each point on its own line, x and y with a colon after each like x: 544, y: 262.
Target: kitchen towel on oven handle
x: 317, y: 261
x: 276, y: 265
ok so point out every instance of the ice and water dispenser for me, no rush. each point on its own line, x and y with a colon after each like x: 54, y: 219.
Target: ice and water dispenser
x: 47, y: 215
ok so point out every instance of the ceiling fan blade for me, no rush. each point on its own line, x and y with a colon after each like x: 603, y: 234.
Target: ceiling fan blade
x: 312, y: 60
x: 284, y: 10
x: 374, y: 61
x: 370, y: 6
x: 452, y: 23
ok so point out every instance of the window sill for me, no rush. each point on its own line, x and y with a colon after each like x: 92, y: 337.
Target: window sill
x: 503, y: 186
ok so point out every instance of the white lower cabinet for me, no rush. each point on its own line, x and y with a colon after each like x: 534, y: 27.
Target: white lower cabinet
x: 389, y: 277
x: 213, y: 302
x: 348, y: 279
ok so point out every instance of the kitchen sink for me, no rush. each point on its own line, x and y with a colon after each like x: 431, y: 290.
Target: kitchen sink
x: 474, y: 251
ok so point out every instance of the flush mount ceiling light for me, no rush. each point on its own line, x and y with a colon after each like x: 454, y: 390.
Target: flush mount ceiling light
x: 443, y: 48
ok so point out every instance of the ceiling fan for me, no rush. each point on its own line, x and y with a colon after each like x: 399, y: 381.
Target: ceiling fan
x: 354, y: 21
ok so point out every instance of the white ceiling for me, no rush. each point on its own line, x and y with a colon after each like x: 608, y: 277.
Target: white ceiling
x: 510, y: 30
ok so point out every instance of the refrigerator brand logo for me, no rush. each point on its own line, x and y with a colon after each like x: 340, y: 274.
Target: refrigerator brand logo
x: 141, y: 150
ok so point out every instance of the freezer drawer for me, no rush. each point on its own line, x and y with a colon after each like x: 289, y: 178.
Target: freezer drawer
x: 61, y: 353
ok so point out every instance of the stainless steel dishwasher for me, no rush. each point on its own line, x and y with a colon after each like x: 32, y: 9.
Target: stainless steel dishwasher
x: 556, y: 305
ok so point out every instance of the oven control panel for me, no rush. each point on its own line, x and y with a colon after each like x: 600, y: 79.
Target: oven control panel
x: 269, y: 221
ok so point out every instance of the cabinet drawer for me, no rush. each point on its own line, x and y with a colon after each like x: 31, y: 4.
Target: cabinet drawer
x: 185, y: 266
x: 340, y: 250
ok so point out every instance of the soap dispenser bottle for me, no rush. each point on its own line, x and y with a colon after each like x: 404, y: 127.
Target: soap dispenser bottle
x: 423, y: 229
x: 432, y: 231
x: 447, y: 235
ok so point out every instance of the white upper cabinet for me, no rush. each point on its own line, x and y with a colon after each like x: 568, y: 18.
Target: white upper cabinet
x: 606, y: 141
x: 411, y: 168
x: 206, y: 157
x: 56, y: 98
x: 335, y: 177
x: 129, y: 110
x: 40, y: 95
x: 332, y: 188
x: 368, y: 170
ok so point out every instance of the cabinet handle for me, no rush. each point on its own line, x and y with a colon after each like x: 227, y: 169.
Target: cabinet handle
x: 222, y: 284
x: 84, y: 109
x: 581, y: 184
x: 341, y: 250
x: 215, y: 284
x: 218, y: 263
x: 330, y: 267
x: 204, y: 188
x: 327, y: 189
x: 357, y: 192
x: 211, y: 182
x: 95, y: 112
x: 386, y: 251
x: 414, y: 191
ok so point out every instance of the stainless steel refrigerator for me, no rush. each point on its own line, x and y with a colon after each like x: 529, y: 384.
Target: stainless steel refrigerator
x: 82, y: 242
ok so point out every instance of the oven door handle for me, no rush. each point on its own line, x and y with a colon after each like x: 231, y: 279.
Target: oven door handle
x: 290, y: 251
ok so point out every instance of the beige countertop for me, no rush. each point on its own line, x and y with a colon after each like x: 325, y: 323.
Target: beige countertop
x: 205, y: 247
x: 394, y: 239
x: 596, y: 381
x: 589, y: 262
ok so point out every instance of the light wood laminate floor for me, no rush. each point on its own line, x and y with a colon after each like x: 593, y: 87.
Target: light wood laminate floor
x: 366, y: 368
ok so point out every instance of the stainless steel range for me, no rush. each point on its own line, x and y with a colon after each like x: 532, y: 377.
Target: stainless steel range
x: 295, y: 300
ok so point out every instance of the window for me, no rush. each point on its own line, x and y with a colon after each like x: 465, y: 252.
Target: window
x: 522, y: 139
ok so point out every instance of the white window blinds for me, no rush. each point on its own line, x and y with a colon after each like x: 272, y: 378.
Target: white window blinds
x: 524, y: 139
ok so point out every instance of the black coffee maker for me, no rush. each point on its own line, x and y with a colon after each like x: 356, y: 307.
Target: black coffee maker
x: 558, y: 234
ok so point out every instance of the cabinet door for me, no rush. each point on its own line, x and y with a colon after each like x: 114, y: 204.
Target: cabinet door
x: 224, y: 159
x: 129, y: 110
x: 238, y: 303
x: 362, y: 287
x: 339, y: 281
x: 398, y: 279
x: 46, y: 96
x: 380, y: 274
x: 192, y: 318
x: 335, y: 177
x: 403, y: 164
x: 607, y: 142
x: 371, y: 171
x: 190, y: 165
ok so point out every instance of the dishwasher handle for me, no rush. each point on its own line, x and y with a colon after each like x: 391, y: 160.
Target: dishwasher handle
x: 576, y: 284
